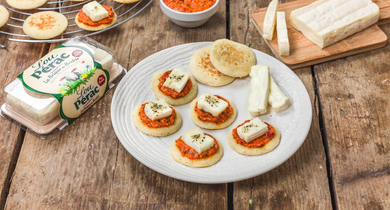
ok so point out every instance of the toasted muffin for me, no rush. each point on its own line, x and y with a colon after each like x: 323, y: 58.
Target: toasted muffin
x: 26, y: 4
x: 212, y: 125
x: 254, y: 151
x: 197, y: 163
x: 4, y: 15
x: 232, y: 58
x: 179, y: 101
x: 163, y: 131
x: 94, y: 28
x: 45, y: 25
x: 204, y: 71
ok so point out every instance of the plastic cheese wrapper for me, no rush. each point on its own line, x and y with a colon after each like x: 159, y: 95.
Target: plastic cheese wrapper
x: 58, y: 88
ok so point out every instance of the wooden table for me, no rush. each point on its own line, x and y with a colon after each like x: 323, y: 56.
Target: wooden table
x: 343, y: 164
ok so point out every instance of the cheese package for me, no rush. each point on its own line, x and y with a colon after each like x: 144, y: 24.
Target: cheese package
x: 58, y: 88
x: 325, y: 22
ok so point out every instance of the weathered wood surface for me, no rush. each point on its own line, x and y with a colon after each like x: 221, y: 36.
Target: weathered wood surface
x: 85, y: 166
x: 355, y: 101
x: 13, y: 61
x: 301, y: 182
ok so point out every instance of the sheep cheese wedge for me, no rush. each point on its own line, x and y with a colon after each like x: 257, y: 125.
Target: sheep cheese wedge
x: 281, y: 27
x: 277, y: 99
x: 196, y: 139
x: 269, y: 20
x: 252, y: 130
x: 95, y: 11
x: 156, y: 110
x: 212, y: 104
x: 177, y: 80
x: 325, y: 22
x: 258, y: 98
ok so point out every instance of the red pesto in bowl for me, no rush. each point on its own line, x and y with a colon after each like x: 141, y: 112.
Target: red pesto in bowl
x: 189, y: 6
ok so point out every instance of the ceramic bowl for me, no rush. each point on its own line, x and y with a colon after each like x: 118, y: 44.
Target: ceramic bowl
x: 189, y: 20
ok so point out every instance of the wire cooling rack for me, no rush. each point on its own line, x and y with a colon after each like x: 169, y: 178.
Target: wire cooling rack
x: 14, y: 26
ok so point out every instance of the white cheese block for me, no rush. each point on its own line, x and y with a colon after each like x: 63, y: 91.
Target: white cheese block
x: 95, y: 11
x: 197, y: 140
x: 277, y: 99
x: 177, y: 80
x: 281, y: 27
x: 269, y: 20
x: 252, y: 130
x: 157, y: 109
x: 212, y: 104
x: 258, y: 98
x: 328, y: 21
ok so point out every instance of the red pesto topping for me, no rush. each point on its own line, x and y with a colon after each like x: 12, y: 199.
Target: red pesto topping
x: 207, y: 116
x: 189, y: 6
x: 163, y: 122
x: 83, y: 18
x: 171, y: 92
x: 259, y: 142
x: 190, y: 153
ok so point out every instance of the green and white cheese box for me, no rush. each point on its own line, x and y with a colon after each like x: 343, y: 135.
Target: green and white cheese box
x: 58, y: 88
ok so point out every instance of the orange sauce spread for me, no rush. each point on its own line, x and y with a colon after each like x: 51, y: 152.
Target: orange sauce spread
x: 259, y: 142
x: 190, y: 153
x: 83, y: 18
x: 189, y: 6
x: 163, y: 122
x: 171, y: 92
x: 206, y: 116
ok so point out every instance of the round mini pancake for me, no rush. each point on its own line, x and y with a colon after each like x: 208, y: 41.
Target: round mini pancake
x: 232, y: 58
x: 203, y: 70
x: 94, y: 28
x: 26, y: 4
x: 165, y: 131
x: 4, y: 15
x: 271, y: 145
x: 211, y: 125
x: 126, y: 1
x: 180, y: 101
x: 45, y: 25
x: 204, y: 162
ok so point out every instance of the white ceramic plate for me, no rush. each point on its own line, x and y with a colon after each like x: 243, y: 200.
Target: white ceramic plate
x: 135, y: 88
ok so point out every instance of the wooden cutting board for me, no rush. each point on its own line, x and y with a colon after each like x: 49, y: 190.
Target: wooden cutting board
x: 303, y: 52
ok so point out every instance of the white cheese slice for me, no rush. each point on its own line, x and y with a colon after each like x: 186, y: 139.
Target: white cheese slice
x: 281, y: 27
x: 328, y: 21
x: 252, y: 130
x: 197, y: 140
x: 157, y: 109
x: 177, y: 80
x: 269, y: 20
x: 277, y: 99
x: 212, y: 104
x: 258, y: 98
x: 95, y: 11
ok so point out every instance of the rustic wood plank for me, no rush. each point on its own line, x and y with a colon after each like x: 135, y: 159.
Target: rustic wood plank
x: 354, y: 94
x: 13, y: 60
x: 301, y: 182
x: 85, y: 166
